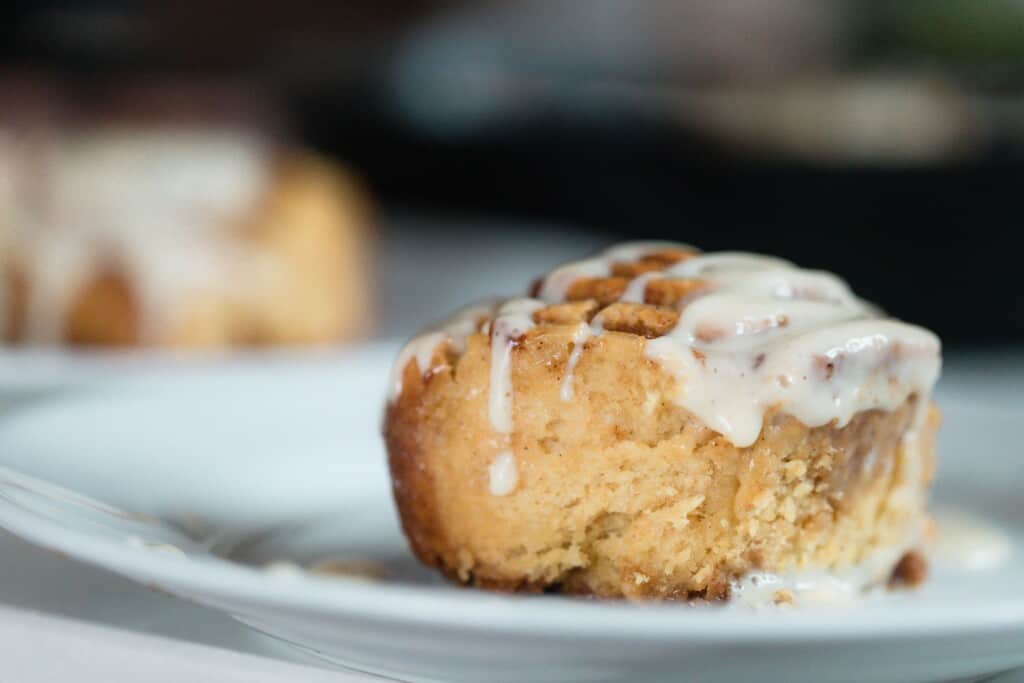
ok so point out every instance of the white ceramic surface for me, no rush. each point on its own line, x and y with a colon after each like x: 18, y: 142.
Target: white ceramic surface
x: 29, y: 372
x: 43, y: 648
x: 286, y: 458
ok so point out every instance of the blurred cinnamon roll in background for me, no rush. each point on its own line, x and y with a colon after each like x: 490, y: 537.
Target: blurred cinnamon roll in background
x: 172, y: 214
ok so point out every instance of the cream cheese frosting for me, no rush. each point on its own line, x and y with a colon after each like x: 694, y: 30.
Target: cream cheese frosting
x: 761, y: 335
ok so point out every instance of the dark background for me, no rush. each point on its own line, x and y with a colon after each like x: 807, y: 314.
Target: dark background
x: 883, y: 141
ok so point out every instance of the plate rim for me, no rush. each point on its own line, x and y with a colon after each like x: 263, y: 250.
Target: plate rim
x: 434, y: 607
x: 213, y: 577
x: 54, y: 370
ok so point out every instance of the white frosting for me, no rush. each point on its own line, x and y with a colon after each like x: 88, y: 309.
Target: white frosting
x: 579, y: 339
x: 59, y: 269
x: 137, y: 175
x: 813, y: 587
x: 453, y: 330
x: 762, y: 335
x: 637, y: 288
x: 422, y: 350
x: 556, y: 284
x: 156, y: 204
x: 511, y: 321
x: 504, y: 474
x: 731, y: 395
x: 767, y: 335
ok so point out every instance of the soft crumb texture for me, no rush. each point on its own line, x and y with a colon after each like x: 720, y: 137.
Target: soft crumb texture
x: 620, y: 492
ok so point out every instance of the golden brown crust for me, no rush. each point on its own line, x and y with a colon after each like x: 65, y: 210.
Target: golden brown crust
x: 659, y: 259
x: 911, y: 570
x: 567, y: 313
x: 589, y: 297
x: 411, y: 483
x: 413, y: 489
x: 105, y: 312
x: 671, y: 291
x: 604, y: 290
x: 315, y: 222
x: 639, y: 319
x: 622, y: 493
x: 615, y: 490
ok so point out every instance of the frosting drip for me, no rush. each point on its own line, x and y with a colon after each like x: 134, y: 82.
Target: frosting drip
x: 512, y: 320
x: 579, y: 339
x: 761, y: 335
x: 503, y: 474
x: 454, y: 331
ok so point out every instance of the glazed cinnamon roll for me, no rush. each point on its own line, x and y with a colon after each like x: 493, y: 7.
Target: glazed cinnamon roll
x: 655, y: 422
x: 174, y: 228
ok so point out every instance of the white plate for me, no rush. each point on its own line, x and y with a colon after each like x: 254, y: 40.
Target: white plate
x: 28, y: 371
x: 289, y: 460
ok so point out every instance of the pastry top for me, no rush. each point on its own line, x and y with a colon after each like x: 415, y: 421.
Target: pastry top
x: 742, y: 334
